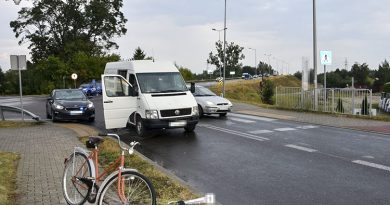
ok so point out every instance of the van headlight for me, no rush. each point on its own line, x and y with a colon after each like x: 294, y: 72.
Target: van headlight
x: 195, y: 111
x: 151, y: 114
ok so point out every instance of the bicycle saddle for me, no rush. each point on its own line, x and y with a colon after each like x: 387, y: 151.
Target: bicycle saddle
x: 93, y: 141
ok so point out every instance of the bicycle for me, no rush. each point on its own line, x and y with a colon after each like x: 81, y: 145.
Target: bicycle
x: 82, y: 181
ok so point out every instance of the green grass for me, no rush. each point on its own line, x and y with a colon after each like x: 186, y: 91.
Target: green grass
x: 17, y: 124
x: 8, y: 164
x: 167, y: 189
x: 247, y: 91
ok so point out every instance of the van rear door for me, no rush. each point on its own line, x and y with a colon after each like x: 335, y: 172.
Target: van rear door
x: 118, y: 103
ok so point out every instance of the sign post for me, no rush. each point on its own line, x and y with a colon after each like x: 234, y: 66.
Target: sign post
x: 326, y: 59
x: 74, y: 77
x: 18, y: 62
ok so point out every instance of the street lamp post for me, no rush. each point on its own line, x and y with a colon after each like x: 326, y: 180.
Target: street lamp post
x: 219, y: 33
x: 255, y: 59
x: 224, y: 53
x: 315, y: 54
x: 219, y: 39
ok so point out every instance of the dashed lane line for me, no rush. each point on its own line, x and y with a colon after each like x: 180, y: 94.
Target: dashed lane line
x: 373, y: 165
x: 285, y: 129
x: 241, y: 120
x: 260, y: 131
x: 233, y: 132
x: 300, y: 148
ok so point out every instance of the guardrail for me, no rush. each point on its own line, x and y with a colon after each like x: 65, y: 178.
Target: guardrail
x: 17, y: 110
x: 334, y: 100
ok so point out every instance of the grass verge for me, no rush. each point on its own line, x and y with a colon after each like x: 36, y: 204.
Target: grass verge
x: 167, y: 189
x: 17, y: 124
x: 8, y: 165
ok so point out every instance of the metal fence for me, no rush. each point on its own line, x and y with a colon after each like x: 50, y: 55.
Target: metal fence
x: 334, y: 100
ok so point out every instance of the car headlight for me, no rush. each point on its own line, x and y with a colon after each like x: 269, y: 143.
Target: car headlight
x: 90, y: 105
x: 195, y: 110
x: 210, y: 103
x: 58, y: 106
x: 93, y: 89
x: 151, y: 114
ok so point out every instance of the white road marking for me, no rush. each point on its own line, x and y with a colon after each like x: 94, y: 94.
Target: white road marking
x: 285, y: 129
x: 233, y: 132
x: 260, y: 131
x: 252, y: 117
x: 300, y: 148
x: 307, y: 127
x: 241, y: 120
x: 373, y: 165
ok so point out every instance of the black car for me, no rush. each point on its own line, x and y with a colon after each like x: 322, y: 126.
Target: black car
x: 69, y: 104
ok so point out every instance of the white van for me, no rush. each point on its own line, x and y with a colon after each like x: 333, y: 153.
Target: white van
x: 147, y: 95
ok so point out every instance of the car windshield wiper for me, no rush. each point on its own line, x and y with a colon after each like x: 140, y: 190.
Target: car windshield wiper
x: 167, y: 91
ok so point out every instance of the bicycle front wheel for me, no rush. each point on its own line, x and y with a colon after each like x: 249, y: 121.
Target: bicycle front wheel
x: 77, y: 167
x: 137, y: 190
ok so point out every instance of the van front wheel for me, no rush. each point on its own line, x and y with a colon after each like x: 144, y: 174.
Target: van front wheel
x: 140, y: 127
x: 189, y: 128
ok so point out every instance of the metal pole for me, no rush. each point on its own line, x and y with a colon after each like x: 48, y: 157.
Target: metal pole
x: 20, y: 87
x: 224, y: 53
x: 315, y: 54
x: 325, y: 100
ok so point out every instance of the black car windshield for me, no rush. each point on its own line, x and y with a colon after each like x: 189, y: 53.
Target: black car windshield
x: 202, y: 91
x: 69, y: 95
x: 161, y: 82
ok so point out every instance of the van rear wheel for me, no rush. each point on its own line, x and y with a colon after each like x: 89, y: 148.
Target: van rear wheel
x: 140, y: 127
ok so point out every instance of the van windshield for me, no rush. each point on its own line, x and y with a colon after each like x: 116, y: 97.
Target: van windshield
x: 161, y: 82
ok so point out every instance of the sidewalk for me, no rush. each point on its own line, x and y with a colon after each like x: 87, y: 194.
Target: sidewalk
x: 42, y: 149
x: 312, y: 118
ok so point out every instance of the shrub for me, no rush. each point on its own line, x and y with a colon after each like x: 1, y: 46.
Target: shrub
x: 340, y: 107
x: 386, y: 87
x: 267, y: 91
x: 365, y: 106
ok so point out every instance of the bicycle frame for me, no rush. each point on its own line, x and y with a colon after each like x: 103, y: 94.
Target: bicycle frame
x: 115, y: 167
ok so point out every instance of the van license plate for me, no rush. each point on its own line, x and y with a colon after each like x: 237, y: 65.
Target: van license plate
x: 76, y: 112
x: 178, y: 124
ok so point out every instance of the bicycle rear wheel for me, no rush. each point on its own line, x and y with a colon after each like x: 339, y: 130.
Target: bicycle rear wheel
x: 138, y: 190
x: 76, y: 167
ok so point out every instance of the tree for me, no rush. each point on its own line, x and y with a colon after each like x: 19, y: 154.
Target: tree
x: 186, y: 73
x: 2, y: 81
x: 360, y: 73
x: 139, y: 54
x: 233, y: 57
x: 267, y: 91
x: 60, y: 28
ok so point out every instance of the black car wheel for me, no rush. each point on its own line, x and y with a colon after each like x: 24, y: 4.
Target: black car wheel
x: 48, y: 116
x: 200, y: 111
x: 53, y: 118
x: 139, y: 127
x: 91, y: 119
x: 190, y: 128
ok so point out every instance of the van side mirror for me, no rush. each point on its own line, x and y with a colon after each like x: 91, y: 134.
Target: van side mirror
x: 192, y: 87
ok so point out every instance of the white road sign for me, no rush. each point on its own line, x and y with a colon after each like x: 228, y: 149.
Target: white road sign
x: 74, y: 76
x: 326, y: 57
x: 18, y: 62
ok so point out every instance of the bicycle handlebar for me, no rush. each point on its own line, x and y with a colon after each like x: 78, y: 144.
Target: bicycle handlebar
x: 132, y: 144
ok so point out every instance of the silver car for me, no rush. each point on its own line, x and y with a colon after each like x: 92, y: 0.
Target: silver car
x: 210, y: 103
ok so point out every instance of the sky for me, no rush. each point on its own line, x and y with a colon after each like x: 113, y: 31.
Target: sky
x: 181, y: 31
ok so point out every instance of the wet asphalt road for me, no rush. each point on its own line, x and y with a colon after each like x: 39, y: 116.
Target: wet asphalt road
x: 255, y: 160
